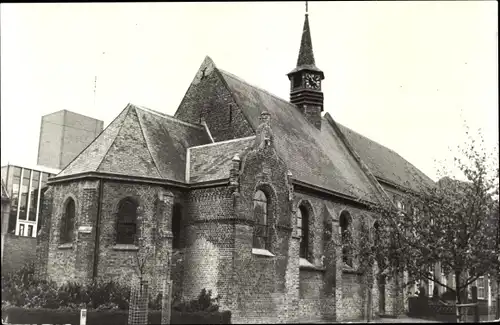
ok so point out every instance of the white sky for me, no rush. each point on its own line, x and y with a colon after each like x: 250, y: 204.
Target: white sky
x: 405, y: 74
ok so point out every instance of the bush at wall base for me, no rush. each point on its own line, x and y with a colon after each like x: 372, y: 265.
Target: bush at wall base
x: 18, y: 315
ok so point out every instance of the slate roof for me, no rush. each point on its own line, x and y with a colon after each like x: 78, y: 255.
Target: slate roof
x: 319, y: 157
x: 5, y: 195
x: 314, y: 156
x: 385, y: 163
x: 213, y: 161
x: 140, y: 142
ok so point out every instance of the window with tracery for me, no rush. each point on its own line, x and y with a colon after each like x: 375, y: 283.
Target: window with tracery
x: 68, y: 222
x: 261, y: 231
x: 126, y: 229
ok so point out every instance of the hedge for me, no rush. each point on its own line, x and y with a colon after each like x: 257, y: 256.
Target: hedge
x: 18, y: 315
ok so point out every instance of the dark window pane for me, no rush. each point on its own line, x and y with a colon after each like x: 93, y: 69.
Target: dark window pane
x: 126, y: 233
x: 21, y: 230
x: 260, y: 236
x: 304, y: 235
x: 126, y: 225
x: 17, y: 172
x: 67, y: 222
x: 24, y: 194
x: 34, y: 195
x: 30, y: 231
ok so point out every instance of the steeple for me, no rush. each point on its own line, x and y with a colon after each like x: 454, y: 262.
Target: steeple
x: 305, y: 79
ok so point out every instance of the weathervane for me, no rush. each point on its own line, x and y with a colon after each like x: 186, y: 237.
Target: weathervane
x: 306, y: 8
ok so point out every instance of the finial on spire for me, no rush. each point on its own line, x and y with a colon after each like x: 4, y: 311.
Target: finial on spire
x: 306, y: 9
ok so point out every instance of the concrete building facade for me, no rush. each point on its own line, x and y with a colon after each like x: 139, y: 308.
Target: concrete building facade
x: 63, y: 135
x: 26, y: 187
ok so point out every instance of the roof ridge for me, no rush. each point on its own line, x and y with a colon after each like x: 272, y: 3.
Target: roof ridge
x: 149, y: 110
x: 254, y: 86
x: 116, y: 136
x: 95, y: 139
x: 147, y: 142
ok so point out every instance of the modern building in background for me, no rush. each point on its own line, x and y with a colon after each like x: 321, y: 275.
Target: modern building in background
x: 25, y: 188
x: 63, y: 135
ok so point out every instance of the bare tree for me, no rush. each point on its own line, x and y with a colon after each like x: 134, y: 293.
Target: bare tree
x: 454, y: 223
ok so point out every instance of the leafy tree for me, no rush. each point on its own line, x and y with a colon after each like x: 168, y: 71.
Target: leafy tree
x: 454, y: 223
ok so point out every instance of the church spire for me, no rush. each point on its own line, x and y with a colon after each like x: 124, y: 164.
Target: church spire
x: 305, y: 79
x: 305, y: 61
x: 306, y: 55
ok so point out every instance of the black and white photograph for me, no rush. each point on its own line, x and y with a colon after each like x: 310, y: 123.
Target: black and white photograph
x: 265, y: 162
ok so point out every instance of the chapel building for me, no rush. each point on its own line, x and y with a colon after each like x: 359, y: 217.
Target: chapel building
x: 259, y: 199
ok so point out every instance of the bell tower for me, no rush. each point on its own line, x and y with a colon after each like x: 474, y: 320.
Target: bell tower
x: 305, y: 80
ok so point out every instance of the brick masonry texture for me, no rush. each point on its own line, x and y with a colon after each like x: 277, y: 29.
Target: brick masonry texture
x: 218, y: 108
x: 216, y: 246
x: 218, y: 220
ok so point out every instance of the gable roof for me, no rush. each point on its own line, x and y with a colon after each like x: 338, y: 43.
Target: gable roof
x: 316, y: 157
x: 320, y: 157
x: 385, y: 163
x: 213, y: 161
x: 140, y: 142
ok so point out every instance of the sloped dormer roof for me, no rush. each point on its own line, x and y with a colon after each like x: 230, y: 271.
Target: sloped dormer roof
x: 142, y: 143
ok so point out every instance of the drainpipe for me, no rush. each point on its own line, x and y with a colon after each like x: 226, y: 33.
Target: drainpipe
x: 97, y: 230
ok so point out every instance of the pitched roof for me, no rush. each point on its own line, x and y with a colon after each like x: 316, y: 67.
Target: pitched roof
x: 306, y: 54
x: 385, y: 163
x: 314, y: 156
x: 5, y: 195
x: 140, y: 142
x: 320, y: 157
x: 213, y: 161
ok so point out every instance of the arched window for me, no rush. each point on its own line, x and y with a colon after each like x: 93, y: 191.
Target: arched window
x: 127, y: 222
x: 68, y: 222
x: 345, y: 229
x: 303, y: 228
x: 176, y: 226
x: 260, y: 235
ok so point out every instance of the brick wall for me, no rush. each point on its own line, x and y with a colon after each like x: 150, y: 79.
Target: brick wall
x: 349, y: 300
x: 262, y: 282
x: 208, y: 98
x: 209, y: 243
x: 18, y: 250
x: 62, y: 258
x: 75, y: 261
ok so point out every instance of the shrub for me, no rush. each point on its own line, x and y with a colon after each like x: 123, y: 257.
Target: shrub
x: 449, y: 295
x: 204, y: 302
x: 17, y: 315
x: 22, y: 289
